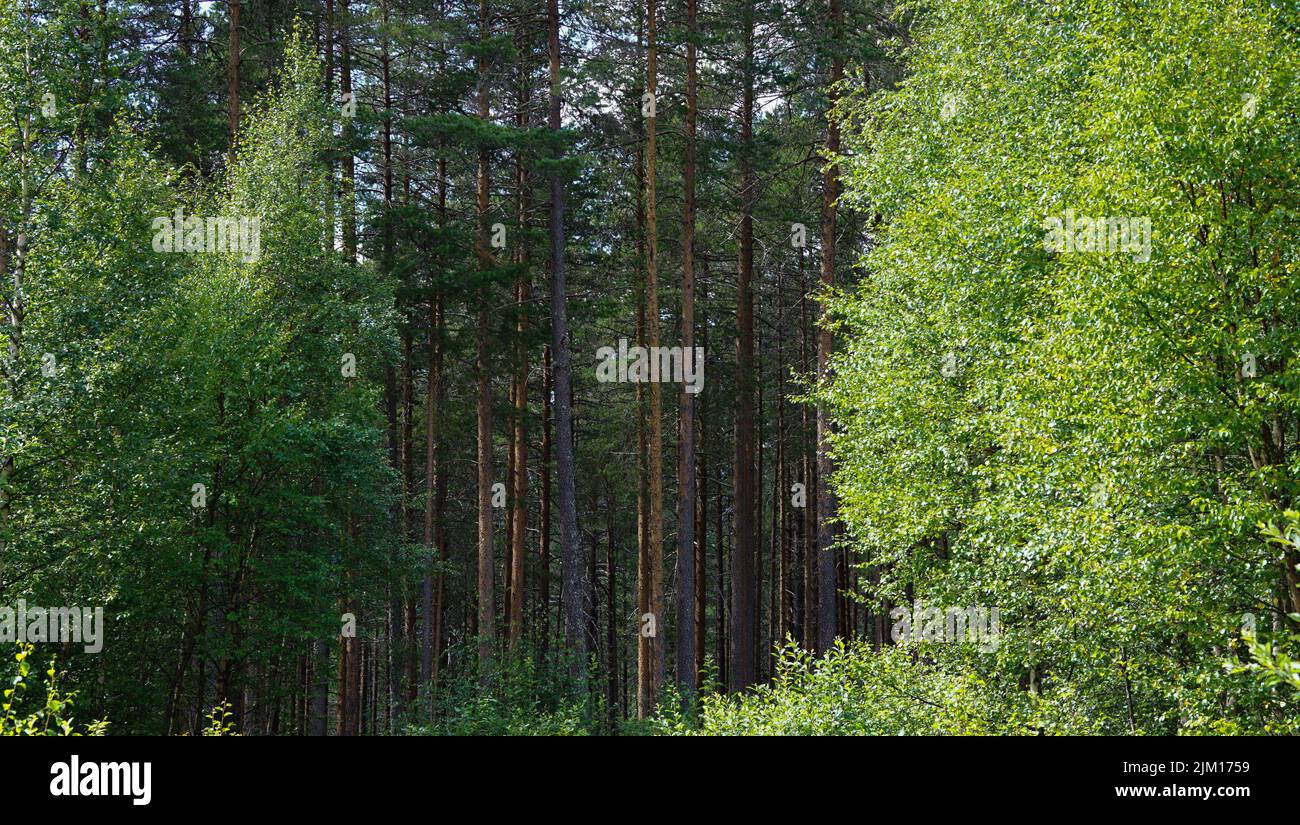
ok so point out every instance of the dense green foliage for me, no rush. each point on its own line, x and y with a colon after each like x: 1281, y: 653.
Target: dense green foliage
x: 176, y: 370
x: 1111, y: 433
x: 1100, y: 444
x: 855, y: 690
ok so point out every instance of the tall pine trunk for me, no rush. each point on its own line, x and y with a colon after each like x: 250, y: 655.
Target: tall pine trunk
x: 653, y: 572
x: 232, y: 75
x: 349, y: 160
x: 826, y: 567
x: 436, y: 527
x: 743, y: 587
x: 687, y: 676
x: 486, y: 606
x: 544, y: 516
x: 519, y: 443
x: 808, y: 525
x: 572, y: 566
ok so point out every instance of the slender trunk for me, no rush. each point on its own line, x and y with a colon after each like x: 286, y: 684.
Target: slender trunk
x: 644, y: 651
x: 702, y: 510
x: 644, y: 682
x: 720, y: 592
x: 780, y: 485
x: 654, y: 556
x: 232, y: 76
x: 393, y: 414
x: 319, y: 687
x: 439, y: 505
x: 742, y: 563
x: 17, y: 311
x: 544, y: 514
x: 507, y: 563
x: 808, y: 527
x: 341, y: 694
x: 826, y: 573
x: 611, y: 633
x: 438, y: 477
x: 593, y: 582
x: 329, y: 49
x: 687, y: 676
x: 330, y: 38
x: 486, y: 607
x: 349, y: 160
x: 758, y: 506
x: 401, y: 636
x: 519, y: 486
x: 432, y: 425
x: 187, y: 28
x: 572, y: 567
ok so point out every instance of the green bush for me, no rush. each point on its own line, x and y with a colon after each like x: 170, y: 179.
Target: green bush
x: 855, y: 690
x: 52, y: 713
x: 520, y: 699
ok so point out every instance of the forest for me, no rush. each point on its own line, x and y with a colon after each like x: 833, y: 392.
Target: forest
x: 649, y: 367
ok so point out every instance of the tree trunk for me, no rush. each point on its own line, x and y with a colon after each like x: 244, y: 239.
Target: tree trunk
x: 436, y: 532
x: 720, y: 592
x: 544, y: 515
x: 687, y: 676
x: 826, y: 574
x: 349, y: 161
x: 655, y: 470
x: 572, y: 567
x: 401, y: 637
x: 809, y: 521
x: 319, y: 687
x: 17, y: 313
x: 611, y: 633
x: 486, y: 606
x: 780, y: 483
x: 702, y: 510
x: 519, y: 483
x: 232, y: 76
x: 742, y: 562
x: 644, y: 680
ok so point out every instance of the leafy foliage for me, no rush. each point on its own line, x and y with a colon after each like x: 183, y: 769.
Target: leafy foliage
x: 1097, y: 456
x: 854, y: 690
x: 51, y: 713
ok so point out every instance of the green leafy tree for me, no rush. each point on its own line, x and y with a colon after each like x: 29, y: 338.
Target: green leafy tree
x: 1084, y: 439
